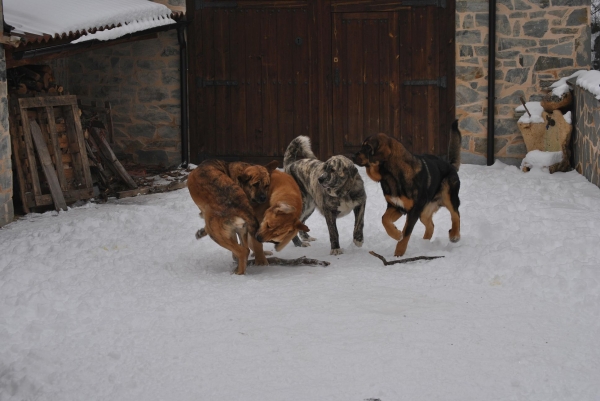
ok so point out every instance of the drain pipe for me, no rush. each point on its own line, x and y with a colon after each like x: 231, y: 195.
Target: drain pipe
x: 183, y: 69
x: 491, y: 82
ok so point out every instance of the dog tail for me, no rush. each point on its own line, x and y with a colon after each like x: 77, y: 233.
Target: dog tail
x: 454, y: 146
x: 298, y: 149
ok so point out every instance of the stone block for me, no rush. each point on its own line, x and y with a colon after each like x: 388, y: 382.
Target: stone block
x: 170, y: 76
x: 565, y: 49
x: 517, y: 75
x: 466, y: 51
x: 536, y: 29
x: 151, y: 64
x: 549, y: 63
x: 152, y: 94
x: 468, y: 37
x: 141, y: 130
x: 578, y: 17
x: 169, y: 132
x: 152, y: 157
x: 522, y: 5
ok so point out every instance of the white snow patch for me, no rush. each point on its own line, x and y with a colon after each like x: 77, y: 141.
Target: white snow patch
x: 536, y: 110
x: 63, y: 16
x: 538, y: 159
x: 135, y: 26
x: 561, y: 86
x: 590, y: 80
x: 119, y: 301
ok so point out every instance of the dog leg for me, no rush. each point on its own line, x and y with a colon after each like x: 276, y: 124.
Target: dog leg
x: 359, y: 223
x: 201, y: 233
x: 259, y: 255
x: 427, y: 219
x: 304, y: 236
x: 411, y: 220
x: 305, y: 241
x: 334, y: 237
x: 451, y: 201
x: 389, y: 217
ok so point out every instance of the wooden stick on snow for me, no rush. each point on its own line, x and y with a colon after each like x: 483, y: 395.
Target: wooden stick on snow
x: 407, y: 260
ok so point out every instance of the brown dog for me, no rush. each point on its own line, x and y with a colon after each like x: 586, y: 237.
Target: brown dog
x: 415, y: 185
x: 224, y: 193
x: 279, y: 217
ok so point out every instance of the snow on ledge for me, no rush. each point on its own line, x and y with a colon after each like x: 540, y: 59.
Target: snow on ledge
x: 135, y: 26
x: 57, y: 17
x: 536, y: 110
x: 590, y: 81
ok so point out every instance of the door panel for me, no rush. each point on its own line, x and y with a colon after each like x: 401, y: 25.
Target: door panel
x: 253, y: 89
x: 384, y: 64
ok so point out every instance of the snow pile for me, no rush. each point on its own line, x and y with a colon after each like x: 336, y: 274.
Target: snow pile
x: 536, y: 110
x: 120, y: 302
x: 537, y: 159
x: 63, y: 16
x: 590, y: 80
x: 561, y: 87
x: 123, y: 30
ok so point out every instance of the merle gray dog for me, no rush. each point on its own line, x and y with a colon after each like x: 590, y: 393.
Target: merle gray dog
x: 334, y: 187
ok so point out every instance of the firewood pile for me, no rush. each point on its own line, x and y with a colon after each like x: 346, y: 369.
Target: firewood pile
x: 33, y: 80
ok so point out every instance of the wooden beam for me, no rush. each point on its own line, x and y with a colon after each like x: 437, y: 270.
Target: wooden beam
x: 48, y: 166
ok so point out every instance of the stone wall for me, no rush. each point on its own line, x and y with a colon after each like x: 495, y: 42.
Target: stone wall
x: 586, y: 135
x: 538, y: 42
x: 6, y: 181
x: 141, y: 80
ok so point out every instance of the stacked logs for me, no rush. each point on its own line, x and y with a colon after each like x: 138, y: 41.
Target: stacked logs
x: 33, y: 80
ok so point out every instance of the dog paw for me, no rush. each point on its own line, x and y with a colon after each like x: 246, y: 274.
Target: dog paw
x: 358, y: 243
x: 305, y: 244
x: 260, y: 262
x: 336, y: 251
x: 268, y: 253
x: 201, y: 233
x: 455, y: 239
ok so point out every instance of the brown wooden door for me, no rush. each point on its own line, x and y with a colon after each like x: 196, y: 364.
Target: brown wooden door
x: 387, y: 78
x: 253, y: 90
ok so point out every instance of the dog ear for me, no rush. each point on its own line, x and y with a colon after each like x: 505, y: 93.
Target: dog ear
x: 301, y: 226
x: 272, y: 166
x: 243, y: 178
x: 281, y: 207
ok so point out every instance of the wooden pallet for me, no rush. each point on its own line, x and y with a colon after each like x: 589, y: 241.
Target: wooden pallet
x: 60, y: 126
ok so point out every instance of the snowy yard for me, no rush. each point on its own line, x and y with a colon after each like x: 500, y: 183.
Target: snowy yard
x: 120, y: 302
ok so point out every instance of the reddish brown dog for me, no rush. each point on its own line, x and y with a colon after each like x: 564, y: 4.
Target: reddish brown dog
x: 224, y: 193
x: 279, y: 217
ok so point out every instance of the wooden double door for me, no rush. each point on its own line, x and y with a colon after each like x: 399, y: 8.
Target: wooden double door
x: 262, y: 74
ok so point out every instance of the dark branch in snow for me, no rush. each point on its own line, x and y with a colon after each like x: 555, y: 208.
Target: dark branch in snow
x: 407, y: 260
x: 293, y: 262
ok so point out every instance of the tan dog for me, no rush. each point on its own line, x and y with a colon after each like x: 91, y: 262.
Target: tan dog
x: 224, y: 193
x: 279, y: 217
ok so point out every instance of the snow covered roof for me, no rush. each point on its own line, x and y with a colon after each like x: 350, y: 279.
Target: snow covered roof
x: 74, y: 18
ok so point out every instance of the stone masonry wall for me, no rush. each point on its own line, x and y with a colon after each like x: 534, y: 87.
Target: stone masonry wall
x: 6, y: 181
x: 538, y: 42
x: 141, y: 80
x: 586, y: 135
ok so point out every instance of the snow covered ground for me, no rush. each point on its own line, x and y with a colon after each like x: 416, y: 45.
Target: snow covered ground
x: 120, y: 302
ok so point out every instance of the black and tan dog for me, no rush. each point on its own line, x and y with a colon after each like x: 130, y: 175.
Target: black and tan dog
x: 415, y: 185
x: 334, y: 187
x: 224, y: 193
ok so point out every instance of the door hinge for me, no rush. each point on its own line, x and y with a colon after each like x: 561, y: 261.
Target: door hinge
x: 439, y: 3
x: 202, y: 83
x: 440, y: 82
x: 200, y: 4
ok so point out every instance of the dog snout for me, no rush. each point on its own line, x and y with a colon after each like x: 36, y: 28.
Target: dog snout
x: 321, y: 179
x: 262, y: 198
x: 259, y: 238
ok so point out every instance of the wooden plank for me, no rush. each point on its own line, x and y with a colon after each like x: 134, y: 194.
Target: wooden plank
x: 78, y: 151
x: 55, y: 145
x: 48, y: 167
x: 31, y: 162
x: 370, y: 84
x: 339, y: 78
x: 70, y: 196
x: 254, y: 81
x: 238, y: 73
x: 47, y: 101
x: 285, y: 91
x: 223, y: 134
x: 355, y: 48
x: 406, y: 52
x: 386, y: 43
x: 133, y: 192
x: 110, y: 157
x: 15, y: 141
x: 301, y: 72
x: 206, y: 110
x: 268, y: 47
x: 392, y: 89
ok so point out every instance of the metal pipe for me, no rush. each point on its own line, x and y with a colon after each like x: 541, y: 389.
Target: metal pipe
x: 491, y: 82
x: 183, y: 67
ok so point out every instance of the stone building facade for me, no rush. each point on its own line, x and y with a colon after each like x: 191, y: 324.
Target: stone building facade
x: 586, y: 134
x: 141, y: 80
x: 538, y: 42
x: 6, y: 180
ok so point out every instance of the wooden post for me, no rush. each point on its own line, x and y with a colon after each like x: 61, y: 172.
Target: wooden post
x: 42, y: 150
